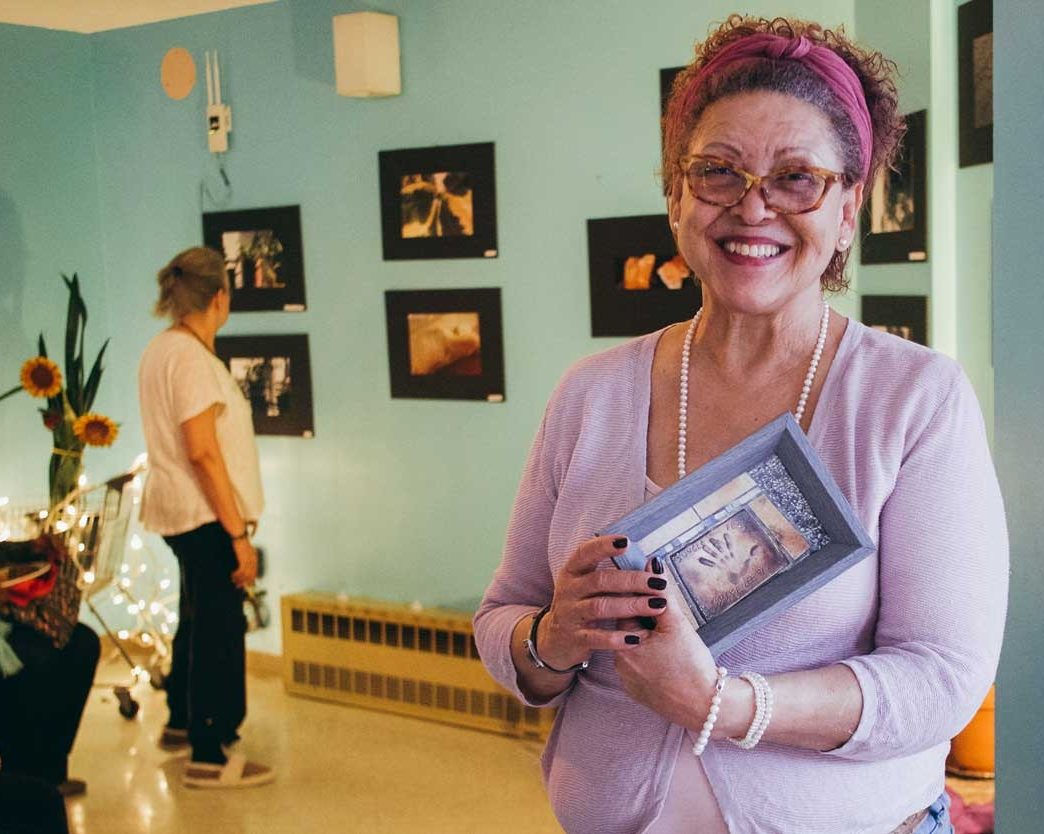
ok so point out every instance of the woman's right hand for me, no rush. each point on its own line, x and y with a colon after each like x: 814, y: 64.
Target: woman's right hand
x: 586, y: 597
x: 246, y: 557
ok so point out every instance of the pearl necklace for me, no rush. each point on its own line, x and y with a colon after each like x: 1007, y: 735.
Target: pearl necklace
x: 683, y: 380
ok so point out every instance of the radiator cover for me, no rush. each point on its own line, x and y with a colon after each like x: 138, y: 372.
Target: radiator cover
x: 390, y: 657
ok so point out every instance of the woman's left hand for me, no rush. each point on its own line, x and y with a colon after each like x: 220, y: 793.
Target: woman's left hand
x: 672, y: 672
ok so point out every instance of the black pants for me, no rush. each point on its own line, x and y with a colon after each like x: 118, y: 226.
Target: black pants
x: 29, y: 806
x: 206, y: 690
x: 41, y: 706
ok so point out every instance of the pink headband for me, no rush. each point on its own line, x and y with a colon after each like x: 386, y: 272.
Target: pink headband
x: 825, y: 63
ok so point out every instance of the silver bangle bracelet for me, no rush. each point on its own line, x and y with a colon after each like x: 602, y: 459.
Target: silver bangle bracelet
x: 530, y: 645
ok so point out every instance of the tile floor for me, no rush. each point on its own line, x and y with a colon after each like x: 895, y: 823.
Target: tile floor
x: 340, y: 769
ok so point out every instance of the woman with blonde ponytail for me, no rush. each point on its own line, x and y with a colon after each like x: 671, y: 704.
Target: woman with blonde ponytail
x: 204, y: 496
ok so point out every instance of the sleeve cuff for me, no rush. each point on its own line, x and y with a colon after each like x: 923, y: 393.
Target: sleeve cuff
x: 859, y: 740
x: 503, y: 667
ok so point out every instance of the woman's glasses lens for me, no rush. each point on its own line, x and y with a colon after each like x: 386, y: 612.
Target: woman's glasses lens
x: 786, y: 191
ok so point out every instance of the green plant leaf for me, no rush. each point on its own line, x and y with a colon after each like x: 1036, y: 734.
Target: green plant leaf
x: 93, y: 379
x: 75, y: 325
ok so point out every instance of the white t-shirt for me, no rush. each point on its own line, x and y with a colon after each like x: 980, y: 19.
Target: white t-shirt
x: 178, y: 378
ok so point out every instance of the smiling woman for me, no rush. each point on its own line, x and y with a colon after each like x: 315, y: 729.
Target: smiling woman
x: 771, y: 134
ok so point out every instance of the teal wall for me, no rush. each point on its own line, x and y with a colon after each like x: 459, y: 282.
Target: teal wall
x: 956, y: 276
x: 393, y: 498
x: 908, y: 46
x: 1018, y: 351
x: 48, y: 225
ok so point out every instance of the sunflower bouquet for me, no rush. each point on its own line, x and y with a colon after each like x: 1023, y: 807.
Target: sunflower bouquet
x: 68, y: 415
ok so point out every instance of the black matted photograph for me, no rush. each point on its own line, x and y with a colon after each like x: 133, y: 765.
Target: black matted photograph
x: 639, y: 282
x: 975, y: 81
x: 667, y: 77
x: 905, y: 316
x: 445, y: 344
x: 894, y: 222
x: 438, y: 202
x: 263, y: 256
x: 748, y: 534
x: 275, y: 376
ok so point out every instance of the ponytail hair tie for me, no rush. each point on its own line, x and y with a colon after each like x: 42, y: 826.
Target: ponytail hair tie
x: 176, y: 271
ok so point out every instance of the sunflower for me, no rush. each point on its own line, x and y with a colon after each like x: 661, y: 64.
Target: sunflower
x: 41, y: 377
x: 95, y: 429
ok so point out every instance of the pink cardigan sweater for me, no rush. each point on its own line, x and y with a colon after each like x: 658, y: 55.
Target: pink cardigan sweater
x: 919, y: 623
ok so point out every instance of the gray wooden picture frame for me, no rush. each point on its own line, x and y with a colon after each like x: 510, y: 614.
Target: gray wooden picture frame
x: 848, y: 541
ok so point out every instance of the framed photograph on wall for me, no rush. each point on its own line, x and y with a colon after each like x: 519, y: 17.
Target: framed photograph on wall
x: 901, y: 315
x: 438, y: 202
x: 748, y: 534
x: 894, y: 223
x: 639, y: 283
x: 975, y: 81
x: 263, y: 256
x: 667, y: 77
x: 445, y: 344
x: 275, y: 375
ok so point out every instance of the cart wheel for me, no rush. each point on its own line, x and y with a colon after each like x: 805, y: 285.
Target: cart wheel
x: 157, y: 679
x: 128, y: 706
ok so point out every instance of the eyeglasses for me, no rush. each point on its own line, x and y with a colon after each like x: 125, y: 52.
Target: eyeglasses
x: 789, y: 190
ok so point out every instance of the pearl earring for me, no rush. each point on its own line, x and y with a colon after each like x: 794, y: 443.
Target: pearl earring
x: 842, y: 244
x: 675, y: 224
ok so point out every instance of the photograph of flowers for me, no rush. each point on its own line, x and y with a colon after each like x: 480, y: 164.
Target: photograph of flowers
x: 975, y: 81
x: 894, y: 222
x: 905, y: 316
x: 263, y: 256
x: 438, y: 202
x: 274, y: 373
x: 445, y: 344
x: 639, y: 282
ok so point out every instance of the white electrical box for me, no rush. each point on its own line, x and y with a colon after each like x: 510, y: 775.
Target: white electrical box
x: 366, y: 54
x: 219, y: 115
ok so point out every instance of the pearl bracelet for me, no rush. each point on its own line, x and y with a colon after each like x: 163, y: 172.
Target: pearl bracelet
x: 712, y: 714
x: 763, y: 700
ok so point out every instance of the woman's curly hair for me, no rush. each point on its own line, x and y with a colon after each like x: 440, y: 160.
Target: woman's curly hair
x: 875, y: 72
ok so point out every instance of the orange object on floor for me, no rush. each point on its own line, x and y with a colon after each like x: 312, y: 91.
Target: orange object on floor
x: 971, y: 752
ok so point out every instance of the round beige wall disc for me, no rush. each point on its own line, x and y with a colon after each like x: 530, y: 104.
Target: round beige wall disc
x: 178, y: 72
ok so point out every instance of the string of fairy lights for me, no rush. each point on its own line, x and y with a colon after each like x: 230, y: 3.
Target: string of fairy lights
x: 132, y: 590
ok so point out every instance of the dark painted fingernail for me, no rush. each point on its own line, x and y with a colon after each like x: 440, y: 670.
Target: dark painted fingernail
x: 656, y: 583
x: 657, y: 565
x: 620, y: 543
x: 647, y: 622
x: 657, y: 602
x: 632, y: 639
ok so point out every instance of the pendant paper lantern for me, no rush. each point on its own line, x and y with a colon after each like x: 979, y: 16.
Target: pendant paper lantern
x: 366, y: 54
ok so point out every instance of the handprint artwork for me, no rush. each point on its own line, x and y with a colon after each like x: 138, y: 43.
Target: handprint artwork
x: 728, y: 562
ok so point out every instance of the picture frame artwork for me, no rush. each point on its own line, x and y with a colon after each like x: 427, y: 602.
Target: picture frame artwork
x: 905, y: 316
x: 894, y: 223
x: 748, y: 534
x: 438, y: 202
x: 445, y: 344
x: 667, y: 76
x: 638, y: 281
x: 263, y: 256
x: 975, y: 82
x: 275, y: 375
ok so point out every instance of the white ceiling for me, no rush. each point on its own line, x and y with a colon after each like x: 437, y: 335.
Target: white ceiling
x: 99, y: 15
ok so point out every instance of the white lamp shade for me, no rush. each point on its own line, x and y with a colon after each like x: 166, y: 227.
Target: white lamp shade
x: 366, y: 54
